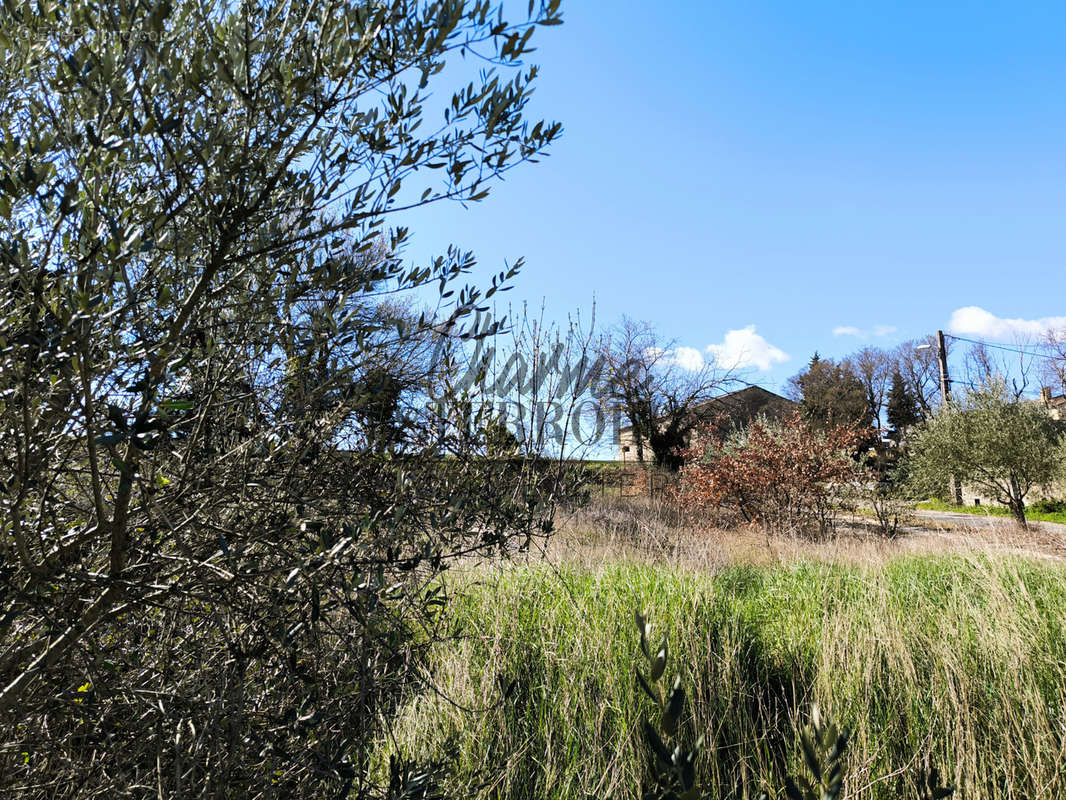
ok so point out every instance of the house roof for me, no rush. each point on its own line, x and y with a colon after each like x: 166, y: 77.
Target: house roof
x: 744, y: 404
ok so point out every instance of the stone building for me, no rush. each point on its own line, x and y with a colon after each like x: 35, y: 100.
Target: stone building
x: 1056, y: 406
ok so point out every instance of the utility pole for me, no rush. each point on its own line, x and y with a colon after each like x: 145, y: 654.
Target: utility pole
x: 942, y: 362
x: 945, y: 395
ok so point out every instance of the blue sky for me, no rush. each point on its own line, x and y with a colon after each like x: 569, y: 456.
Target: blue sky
x: 833, y: 174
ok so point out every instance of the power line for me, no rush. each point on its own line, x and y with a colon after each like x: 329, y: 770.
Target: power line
x: 1002, y: 346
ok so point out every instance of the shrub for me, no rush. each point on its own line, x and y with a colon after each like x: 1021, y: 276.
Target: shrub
x: 785, y: 476
x: 1048, y: 506
x: 891, y: 509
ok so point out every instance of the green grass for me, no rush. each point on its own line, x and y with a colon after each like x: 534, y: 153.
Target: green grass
x: 958, y: 659
x: 607, y: 466
x: 997, y: 511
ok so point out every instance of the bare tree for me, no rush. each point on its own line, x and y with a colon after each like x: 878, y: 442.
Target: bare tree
x: 662, y: 395
x: 534, y: 383
x: 920, y: 373
x: 986, y: 365
x: 873, y: 367
x: 1053, y: 371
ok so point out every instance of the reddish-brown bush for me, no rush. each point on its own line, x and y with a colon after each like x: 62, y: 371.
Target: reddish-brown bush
x: 782, y: 475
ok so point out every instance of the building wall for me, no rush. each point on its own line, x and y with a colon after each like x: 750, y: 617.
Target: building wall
x: 627, y: 446
x: 975, y: 496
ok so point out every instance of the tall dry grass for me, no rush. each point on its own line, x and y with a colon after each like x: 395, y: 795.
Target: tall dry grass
x: 640, y: 530
x: 928, y: 650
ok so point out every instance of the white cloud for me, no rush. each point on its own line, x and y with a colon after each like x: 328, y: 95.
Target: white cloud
x: 975, y: 321
x: 745, y: 348
x: 851, y: 330
x: 846, y: 330
x: 685, y: 357
x: 688, y: 358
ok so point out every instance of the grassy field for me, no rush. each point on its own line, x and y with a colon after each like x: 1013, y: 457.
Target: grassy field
x: 955, y: 656
x: 1033, y: 514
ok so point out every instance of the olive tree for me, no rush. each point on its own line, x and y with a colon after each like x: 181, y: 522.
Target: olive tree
x: 202, y: 592
x: 990, y: 441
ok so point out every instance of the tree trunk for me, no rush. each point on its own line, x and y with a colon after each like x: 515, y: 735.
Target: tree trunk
x: 1017, y: 503
x: 1017, y: 508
